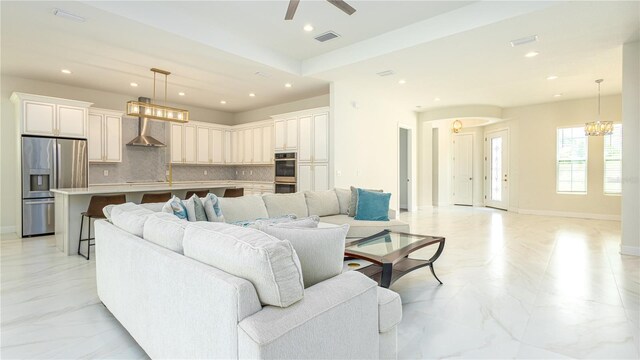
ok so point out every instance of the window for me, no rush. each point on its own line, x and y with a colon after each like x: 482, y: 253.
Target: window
x: 571, y: 172
x: 613, y: 161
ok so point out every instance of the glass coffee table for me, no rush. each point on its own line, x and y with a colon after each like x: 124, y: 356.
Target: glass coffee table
x: 389, y: 252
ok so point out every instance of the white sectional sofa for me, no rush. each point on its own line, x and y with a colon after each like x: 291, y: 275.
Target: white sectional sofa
x: 177, y: 307
x: 328, y: 205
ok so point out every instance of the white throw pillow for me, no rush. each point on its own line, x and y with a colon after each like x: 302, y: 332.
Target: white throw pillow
x: 166, y: 230
x: 285, y: 204
x: 176, y: 207
x: 320, y: 250
x: 130, y: 217
x: 191, y: 208
x: 212, y: 208
x: 243, y: 208
x: 344, y: 198
x: 271, y: 265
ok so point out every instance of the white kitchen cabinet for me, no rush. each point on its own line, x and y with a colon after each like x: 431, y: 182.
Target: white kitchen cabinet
x: 292, y: 134
x: 105, y: 135
x: 190, y: 144
x: 49, y: 116
x: 236, y: 148
x: 320, y: 138
x: 305, y: 145
x: 304, y: 177
x: 203, y: 147
x: 280, y: 135
x: 267, y: 145
x: 227, y: 147
x: 256, y: 135
x: 71, y: 121
x: 320, y: 177
x: 176, y: 143
x: 247, y: 138
x: 217, y: 146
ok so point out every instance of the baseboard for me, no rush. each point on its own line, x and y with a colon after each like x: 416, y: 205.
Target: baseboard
x: 425, y: 207
x: 570, y: 214
x: 7, y: 229
x: 630, y: 250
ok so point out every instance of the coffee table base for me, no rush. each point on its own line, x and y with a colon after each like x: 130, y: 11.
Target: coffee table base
x: 387, y: 275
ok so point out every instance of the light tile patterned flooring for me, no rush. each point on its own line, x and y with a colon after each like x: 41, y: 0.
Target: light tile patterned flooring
x: 515, y: 286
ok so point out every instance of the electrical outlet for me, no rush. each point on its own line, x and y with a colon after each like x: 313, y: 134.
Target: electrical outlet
x: 250, y: 172
x: 166, y: 172
x: 339, y: 173
x: 242, y: 172
x: 205, y: 172
x: 105, y: 172
x: 236, y: 172
x: 357, y: 172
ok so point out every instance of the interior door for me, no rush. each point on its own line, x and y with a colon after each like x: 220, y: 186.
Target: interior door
x: 463, y: 169
x: 497, y: 170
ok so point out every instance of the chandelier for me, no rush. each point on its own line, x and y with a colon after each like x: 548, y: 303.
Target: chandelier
x: 156, y: 111
x: 598, y: 127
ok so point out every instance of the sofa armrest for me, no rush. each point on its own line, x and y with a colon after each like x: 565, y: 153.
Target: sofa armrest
x: 337, y: 318
x: 392, y: 214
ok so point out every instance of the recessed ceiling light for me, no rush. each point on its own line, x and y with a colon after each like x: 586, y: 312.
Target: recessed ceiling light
x: 69, y: 16
x: 436, y: 99
x: 531, y: 54
x: 134, y: 84
x: 557, y: 95
x: 65, y: 71
x: 181, y: 93
x: 223, y: 102
x: 402, y: 81
x: 552, y: 77
x: 252, y: 94
x: 287, y: 85
x: 308, y: 28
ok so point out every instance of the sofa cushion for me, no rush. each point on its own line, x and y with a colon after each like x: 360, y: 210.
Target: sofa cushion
x: 320, y: 250
x: 130, y: 217
x: 308, y: 222
x: 243, y: 208
x: 271, y: 265
x: 353, y: 202
x: 361, y: 228
x: 155, y: 207
x: 285, y: 204
x: 322, y: 203
x: 372, y: 205
x: 166, y: 230
x: 389, y: 309
x: 344, y: 198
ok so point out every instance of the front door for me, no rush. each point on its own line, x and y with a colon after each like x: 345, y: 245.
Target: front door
x: 463, y: 169
x: 497, y: 156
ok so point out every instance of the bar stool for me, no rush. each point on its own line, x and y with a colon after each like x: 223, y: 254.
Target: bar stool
x: 96, y: 204
x: 231, y: 192
x: 200, y: 193
x: 155, y: 197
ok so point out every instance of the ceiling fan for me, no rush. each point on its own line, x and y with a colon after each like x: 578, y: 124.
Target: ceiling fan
x: 340, y: 4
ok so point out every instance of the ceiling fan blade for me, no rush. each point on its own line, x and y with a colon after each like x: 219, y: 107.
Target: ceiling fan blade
x: 291, y: 10
x: 340, y: 4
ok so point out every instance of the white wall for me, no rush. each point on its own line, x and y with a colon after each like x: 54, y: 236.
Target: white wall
x: 365, y: 137
x: 630, y: 244
x: 265, y: 112
x: 8, y: 123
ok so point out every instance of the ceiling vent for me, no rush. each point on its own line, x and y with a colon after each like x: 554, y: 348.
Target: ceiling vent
x: 386, y: 73
x: 524, y: 40
x: 327, y: 36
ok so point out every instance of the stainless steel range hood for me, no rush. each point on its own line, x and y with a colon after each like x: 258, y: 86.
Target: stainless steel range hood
x: 143, y: 138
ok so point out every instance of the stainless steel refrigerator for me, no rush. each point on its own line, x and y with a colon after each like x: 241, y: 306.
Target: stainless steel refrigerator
x: 49, y: 163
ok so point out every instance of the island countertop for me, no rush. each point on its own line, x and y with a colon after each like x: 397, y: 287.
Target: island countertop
x: 154, y: 186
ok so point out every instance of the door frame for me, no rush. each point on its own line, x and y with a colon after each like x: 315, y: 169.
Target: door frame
x: 487, y: 167
x: 453, y: 169
x: 410, y: 172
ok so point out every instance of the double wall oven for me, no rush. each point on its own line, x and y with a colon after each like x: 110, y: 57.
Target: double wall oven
x: 285, y: 173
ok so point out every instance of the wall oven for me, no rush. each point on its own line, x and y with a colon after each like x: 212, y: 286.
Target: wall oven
x: 285, y: 172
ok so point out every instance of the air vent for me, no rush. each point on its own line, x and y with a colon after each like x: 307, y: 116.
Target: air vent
x: 386, y: 73
x: 524, y: 40
x: 326, y: 36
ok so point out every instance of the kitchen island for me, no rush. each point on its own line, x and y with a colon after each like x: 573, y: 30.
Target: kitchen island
x: 70, y: 203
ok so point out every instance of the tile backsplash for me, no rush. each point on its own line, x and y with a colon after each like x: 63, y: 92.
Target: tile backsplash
x: 147, y: 164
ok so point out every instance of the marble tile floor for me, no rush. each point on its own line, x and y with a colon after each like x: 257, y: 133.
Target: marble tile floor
x: 515, y: 286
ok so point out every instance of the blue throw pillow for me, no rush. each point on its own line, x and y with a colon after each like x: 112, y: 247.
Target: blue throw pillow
x: 372, y: 205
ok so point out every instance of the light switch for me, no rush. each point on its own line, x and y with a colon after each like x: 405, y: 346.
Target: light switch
x: 105, y: 172
x: 205, y: 172
x: 339, y: 173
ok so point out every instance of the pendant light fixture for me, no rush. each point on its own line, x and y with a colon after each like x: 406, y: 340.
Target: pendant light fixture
x: 155, y: 111
x: 598, y: 127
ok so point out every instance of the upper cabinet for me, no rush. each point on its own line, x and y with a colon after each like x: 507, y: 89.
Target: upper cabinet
x: 252, y: 144
x: 105, y: 135
x: 286, y: 134
x: 49, y: 116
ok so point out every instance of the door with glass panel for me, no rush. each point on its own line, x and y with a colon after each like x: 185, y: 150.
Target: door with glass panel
x: 497, y: 169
